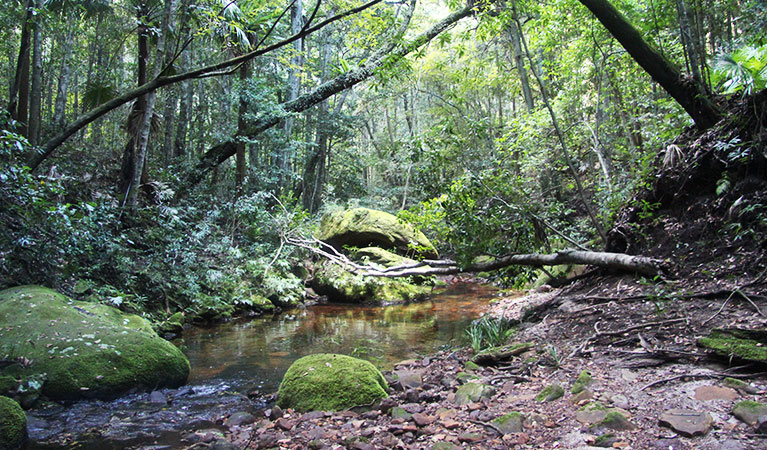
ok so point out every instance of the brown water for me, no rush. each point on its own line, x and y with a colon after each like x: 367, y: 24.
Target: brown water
x: 232, y: 359
x: 260, y: 351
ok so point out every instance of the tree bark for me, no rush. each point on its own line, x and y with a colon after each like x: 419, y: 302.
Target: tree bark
x: 294, y: 88
x: 686, y: 91
x: 387, y: 55
x: 36, y: 94
x: 60, y: 107
x: 519, y: 62
x: 18, y: 101
x: 241, y: 166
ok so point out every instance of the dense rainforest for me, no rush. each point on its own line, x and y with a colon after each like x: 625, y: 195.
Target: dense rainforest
x: 193, y: 160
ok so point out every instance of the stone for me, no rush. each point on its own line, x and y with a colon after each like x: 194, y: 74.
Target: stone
x: 330, y: 382
x: 158, y: 398
x: 399, y: 413
x: 445, y: 446
x: 615, y: 420
x: 409, y: 379
x: 582, y: 382
x: 509, y: 423
x: 739, y: 343
x: 363, y: 227
x: 709, y: 393
x: 340, y: 285
x: 687, y: 422
x: 13, y: 425
x: 84, y: 350
x: 740, y: 386
x: 240, y: 418
x: 472, y: 392
x: 582, y: 396
x: 469, y: 437
x: 749, y: 411
x: 550, y: 393
x: 422, y: 420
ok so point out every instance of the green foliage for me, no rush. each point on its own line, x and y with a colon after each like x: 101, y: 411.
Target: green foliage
x: 744, y: 69
x: 488, y: 332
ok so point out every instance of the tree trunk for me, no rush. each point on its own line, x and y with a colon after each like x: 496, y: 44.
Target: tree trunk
x: 241, y: 167
x: 36, y: 94
x: 18, y: 101
x: 388, y: 54
x: 59, y: 109
x: 686, y: 91
x: 294, y: 88
x: 187, y: 97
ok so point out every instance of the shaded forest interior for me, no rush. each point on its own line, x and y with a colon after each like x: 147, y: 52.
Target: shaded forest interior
x: 158, y: 155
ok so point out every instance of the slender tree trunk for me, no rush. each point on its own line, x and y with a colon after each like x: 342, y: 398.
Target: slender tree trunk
x: 187, y: 97
x: 18, y: 102
x: 59, y: 110
x: 687, y: 92
x: 294, y: 88
x: 142, y: 142
x: 565, y: 152
x: 241, y: 166
x: 36, y: 96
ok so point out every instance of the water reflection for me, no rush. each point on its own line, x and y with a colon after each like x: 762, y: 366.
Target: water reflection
x: 258, y: 352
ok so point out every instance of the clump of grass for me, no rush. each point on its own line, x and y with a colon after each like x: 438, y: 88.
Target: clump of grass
x: 488, y: 332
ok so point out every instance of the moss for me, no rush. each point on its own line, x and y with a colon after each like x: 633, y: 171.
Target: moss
x: 471, y: 366
x: 8, y: 384
x: 329, y: 382
x: 605, y: 440
x: 594, y: 406
x: 13, y: 425
x: 550, y: 393
x: 744, y: 344
x: 399, y: 413
x: 465, y: 377
x: 615, y: 421
x: 362, y: 227
x: 343, y: 286
x: 81, y: 349
x: 473, y: 392
x: 740, y: 385
x: 510, y: 423
x: 749, y: 411
x: 582, y: 382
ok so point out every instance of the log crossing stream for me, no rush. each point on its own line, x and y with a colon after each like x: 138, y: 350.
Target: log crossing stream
x: 233, y: 359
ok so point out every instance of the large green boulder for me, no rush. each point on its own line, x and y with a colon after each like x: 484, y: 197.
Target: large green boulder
x: 83, y: 350
x: 363, y: 227
x: 13, y: 425
x: 329, y: 382
x: 340, y: 285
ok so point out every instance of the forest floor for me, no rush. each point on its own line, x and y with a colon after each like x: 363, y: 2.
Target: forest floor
x: 637, y: 338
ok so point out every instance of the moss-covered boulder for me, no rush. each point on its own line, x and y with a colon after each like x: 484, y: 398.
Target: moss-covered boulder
x: 83, y: 350
x: 363, y: 227
x: 750, y: 345
x: 550, y: 393
x: 340, y: 285
x: 329, y: 382
x: 473, y: 392
x: 13, y: 425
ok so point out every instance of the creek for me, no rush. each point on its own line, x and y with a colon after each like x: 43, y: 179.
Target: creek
x: 235, y: 364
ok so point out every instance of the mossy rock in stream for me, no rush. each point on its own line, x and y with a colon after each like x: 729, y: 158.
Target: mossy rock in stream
x: 745, y: 344
x: 363, y: 227
x: 83, y: 350
x: 330, y: 382
x: 340, y: 285
x: 13, y: 425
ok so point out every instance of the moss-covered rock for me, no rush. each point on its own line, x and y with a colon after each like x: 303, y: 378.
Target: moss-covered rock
x: 550, y: 393
x: 83, y: 350
x: 749, y: 411
x: 343, y: 286
x: 473, y: 392
x: 380, y: 257
x: 13, y: 425
x: 329, y: 382
x: 363, y: 227
x: 510, y: 423
x: 739, y: 343
x: 582, y: 382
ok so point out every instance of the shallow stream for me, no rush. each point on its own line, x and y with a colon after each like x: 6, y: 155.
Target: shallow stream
x: 249, y: 357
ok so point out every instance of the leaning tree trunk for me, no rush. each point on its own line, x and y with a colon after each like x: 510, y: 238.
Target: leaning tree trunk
x: 686, y: 91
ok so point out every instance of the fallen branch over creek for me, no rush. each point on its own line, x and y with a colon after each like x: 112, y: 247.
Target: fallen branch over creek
x: 615, y: 261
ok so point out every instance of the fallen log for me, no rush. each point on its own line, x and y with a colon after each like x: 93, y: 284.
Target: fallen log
x: 616, y: 261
